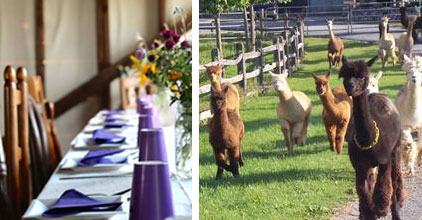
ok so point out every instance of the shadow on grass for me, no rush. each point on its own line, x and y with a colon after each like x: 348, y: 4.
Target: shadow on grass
x: 289, y: 175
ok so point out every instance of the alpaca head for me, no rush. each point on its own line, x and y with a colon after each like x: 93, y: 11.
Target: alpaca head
x: 279, y: 81
x: 218, y: 99
x: 384, y: 21
x: 355, y: 75
x: 330, y: 23
x: 412, y: 19
x: 322, y: 83
x: 413, y: 69
x: 214, y: 73
x: 407, y: 140
x: 373, y: 82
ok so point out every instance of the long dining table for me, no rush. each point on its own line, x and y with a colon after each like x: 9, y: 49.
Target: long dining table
x: 105, y: 182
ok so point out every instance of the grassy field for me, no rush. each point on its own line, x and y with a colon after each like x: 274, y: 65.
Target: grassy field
x: 307, y: 184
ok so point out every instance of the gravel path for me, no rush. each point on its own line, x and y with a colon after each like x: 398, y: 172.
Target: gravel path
x: 412, y: 209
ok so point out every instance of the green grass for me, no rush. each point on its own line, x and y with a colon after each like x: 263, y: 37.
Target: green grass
x: 307, y: 184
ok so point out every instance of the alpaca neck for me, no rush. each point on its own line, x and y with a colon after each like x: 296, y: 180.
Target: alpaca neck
x: 331, y: 32
x: 222, y: 119
x: 384, y: 32
x: 328, y: 101
x: 414, y: 98
x: 285, y: 95
x: 216, y: 85
x: 364, y: 127
x: 410, y: 29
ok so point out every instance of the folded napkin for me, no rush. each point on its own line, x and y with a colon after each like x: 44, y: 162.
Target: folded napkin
x: 114, y: 125
x: 113, y: 119
x: 100, y: 157
x: 113, y: 112
x: 103, y: 137
x: 72, y: 202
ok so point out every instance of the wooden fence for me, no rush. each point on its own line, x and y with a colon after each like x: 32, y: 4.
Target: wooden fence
x: 287, y: 49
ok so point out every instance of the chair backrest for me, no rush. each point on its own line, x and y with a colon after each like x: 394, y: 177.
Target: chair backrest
x: 130, y: 90
x: 41, y: 164
x: 16, y: 139
x: 37, y: 92
x: 5, y: 208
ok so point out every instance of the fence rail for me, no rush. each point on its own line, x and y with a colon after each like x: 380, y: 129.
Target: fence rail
x: 287, y: 49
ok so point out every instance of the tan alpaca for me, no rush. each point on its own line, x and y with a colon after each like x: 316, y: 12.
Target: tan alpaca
x: 336, y: 112
x: 233, y: 101
x: 335, y: 46
x: 410, y: 152
x: 293, y: 111
x: 387, y: 44
x: 405, y: 41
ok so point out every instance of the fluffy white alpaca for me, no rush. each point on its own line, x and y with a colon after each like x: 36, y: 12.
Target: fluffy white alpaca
x: 293, y: 111
x: 410, y: 152
x: 373, y: 82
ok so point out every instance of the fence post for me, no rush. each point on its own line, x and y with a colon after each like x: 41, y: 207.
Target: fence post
x: 218, y: 33
x: 245, y: 21
x: 241, y: 66
x: 261, y: 22
x: 260, y: 63
x: 277, y: 59
x: 216, y: 56
x: 296, y: 38
x: 253, y: 33
x: 302, y: 37
x: 287, y: 47
x: 284, y: 55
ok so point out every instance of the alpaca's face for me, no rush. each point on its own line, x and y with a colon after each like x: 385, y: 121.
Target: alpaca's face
x: 413, y: 69
x: 330, y: 24
x: 373, y: 83
x: 214, y: 73
x: 321, y: 84
x: 218, y: 100
x: 384, y: 22
x: 407, y: 141
x: 279, y: 81
x: 356, y: 76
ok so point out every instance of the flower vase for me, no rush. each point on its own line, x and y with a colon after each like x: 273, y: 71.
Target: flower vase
x: 183, y: 134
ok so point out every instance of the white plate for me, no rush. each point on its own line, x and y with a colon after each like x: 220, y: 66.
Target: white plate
x: 39, y: 206
x: 89, y: 129
x: 83, y: 142
x: 71, y: 163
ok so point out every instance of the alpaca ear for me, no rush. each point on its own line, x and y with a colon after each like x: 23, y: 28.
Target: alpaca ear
x: 378, y: 76
x: 315, y: 76
x: 328, y: 74
x: 344, y: 60
x: 372, y: 61
x: 406, y: 59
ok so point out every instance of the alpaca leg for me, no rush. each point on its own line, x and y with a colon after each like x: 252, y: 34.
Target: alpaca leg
x: 297, y: 132
x: 341, y: 133
x: 419, y: 143
x: 240, y: 156
x: 331, y: 134
x: 398, y: 184
x: 412, y: 158
x: 220, y: 159
x: 392, y: 53
x: 383, y: 190
x: 365, y: 200
x: 330, y: 60
x: 234, y: 161
x: 285, y: 128
x: 304, y: 132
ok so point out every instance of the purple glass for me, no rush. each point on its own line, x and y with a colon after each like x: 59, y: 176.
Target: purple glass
x: 145, y: 121
x: 141, y: 102
x: 151, y: 197
x: 150, y: 110
x: 152, y: 145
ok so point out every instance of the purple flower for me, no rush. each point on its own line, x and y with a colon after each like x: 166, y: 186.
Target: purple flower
x: 176, y: 37
x: 167, y: 33
x: 170, y: 44
x: 151, y: 58
x: 185, y: 44
x: 156, y: 44
x: 139, y: 54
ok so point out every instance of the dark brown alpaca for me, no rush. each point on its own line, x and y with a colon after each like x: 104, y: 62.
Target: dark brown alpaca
x: 336, y: 112
x: 226, y: 132
x: 374, y: 142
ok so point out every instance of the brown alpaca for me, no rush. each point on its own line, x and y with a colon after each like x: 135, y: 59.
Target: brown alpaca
x: 336, y: 113
x: 233, y: 101
x: 335, y: 46
x: 405, y: 41
x: 387, y: 43
x: 226, y: 132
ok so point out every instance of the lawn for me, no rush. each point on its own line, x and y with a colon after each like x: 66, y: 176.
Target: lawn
x: 307, y: 184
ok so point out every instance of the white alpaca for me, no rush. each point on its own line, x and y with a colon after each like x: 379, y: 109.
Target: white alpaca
x: 373, y: 82
x: 409, y: 98
x: 410, y: 152
x: 293, y: 111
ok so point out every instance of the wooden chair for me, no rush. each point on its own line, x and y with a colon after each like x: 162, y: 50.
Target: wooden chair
x: 130, y: 90
x: 5, y: 209
x: 37, y: 92
x: 16, y: 139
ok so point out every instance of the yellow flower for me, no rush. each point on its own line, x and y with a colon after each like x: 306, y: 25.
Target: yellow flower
x: 135, y: 61
x: 154, y: 69
x: 143, y: 79
x: 174, y: 75
x: 174, y: 88
x: 144, y: 68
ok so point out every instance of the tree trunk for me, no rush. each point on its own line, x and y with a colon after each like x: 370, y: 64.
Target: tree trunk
x: 245, y: 21
x: 253, y: 33
x: 218, y: 33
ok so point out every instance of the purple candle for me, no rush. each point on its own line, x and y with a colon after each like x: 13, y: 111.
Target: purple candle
x: 152, y: 145
x: 151, y: 197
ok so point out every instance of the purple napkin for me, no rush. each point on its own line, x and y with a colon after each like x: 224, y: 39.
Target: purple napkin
x: 114, y: 125
x: 72, y: 202
x: 97, y: 157
x: 113, y: 112
x: 113, y: 119
x: 103, y: 137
